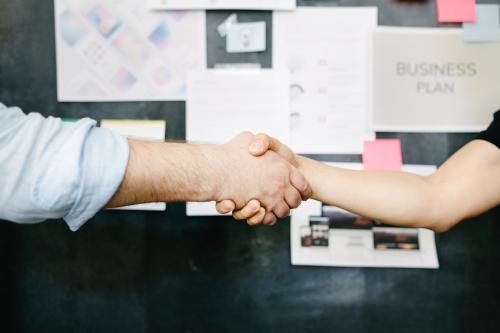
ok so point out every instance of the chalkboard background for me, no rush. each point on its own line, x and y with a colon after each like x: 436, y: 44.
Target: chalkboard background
x: 164, y: 272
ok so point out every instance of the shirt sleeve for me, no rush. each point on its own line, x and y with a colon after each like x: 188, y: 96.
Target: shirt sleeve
x: 51, y: 169
x: 492, y: 134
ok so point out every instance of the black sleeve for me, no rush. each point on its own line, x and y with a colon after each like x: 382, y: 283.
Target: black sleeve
x: 492, y: 134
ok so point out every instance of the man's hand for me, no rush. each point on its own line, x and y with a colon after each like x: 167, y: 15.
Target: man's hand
x: 253, y: 212
x: 267, y: 186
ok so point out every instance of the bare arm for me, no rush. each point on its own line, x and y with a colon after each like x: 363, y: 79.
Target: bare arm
x: 466, y: 185
x: 166, y: 172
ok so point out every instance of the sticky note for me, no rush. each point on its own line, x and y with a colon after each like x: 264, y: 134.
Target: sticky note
x: 246, y: 37
x: 153, y: 130
x: 383, y: 154
x: 487, y: 25
x: 453, y: 11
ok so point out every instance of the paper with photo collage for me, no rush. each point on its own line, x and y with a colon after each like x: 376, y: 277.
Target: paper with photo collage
x: 109, y: 50
x: 330, y: 236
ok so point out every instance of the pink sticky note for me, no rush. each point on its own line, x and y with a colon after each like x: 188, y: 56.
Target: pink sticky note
x: 383, y: 154
x: 449, y: 11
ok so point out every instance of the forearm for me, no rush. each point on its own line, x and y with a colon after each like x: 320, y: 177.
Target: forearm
x: 167, y: 172
x: 392, y: 197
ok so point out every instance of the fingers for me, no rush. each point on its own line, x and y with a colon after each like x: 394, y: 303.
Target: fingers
x: 258, y: 218
x: 251, y: 209
x: 225, y: 206
x: 269, y: 219
x: 300, y: 183
x: 281, y: 210
x: 293, y: 197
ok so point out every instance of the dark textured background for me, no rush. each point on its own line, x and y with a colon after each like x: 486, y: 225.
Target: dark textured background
x: 164, y: 272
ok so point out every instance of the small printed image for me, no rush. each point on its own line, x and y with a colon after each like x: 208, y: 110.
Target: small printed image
x: 71, y: 29
x: 160, y: 36
x: 395, y: 238
x: 124, y: 80
x: 305, y: 236
x: 320, y: 230
x: 341, y: 219
x: 104, y: 22
x: 161, y: 76
x: 132, y: 47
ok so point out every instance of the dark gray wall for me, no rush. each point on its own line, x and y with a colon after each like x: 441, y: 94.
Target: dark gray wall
x: 164, y: 272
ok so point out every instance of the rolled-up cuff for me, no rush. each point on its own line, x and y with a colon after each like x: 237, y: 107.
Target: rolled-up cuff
x: 104, y: 163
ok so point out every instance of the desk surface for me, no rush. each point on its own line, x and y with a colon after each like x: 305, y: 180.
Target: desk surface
x: 147, y: 271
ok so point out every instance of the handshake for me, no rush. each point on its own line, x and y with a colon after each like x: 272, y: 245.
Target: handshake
x: 262, y: 181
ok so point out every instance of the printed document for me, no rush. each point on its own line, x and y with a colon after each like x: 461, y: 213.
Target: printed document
x: 122, y: 51
x: 328, y: 52
x: 429, y: 80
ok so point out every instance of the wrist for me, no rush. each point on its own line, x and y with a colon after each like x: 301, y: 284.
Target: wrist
x: 211, y: 174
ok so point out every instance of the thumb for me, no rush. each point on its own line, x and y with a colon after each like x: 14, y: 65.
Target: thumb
x: 225, y: 206
x: 260, y: 144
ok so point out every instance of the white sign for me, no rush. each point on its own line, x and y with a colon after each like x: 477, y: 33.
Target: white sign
x: 429, y: 80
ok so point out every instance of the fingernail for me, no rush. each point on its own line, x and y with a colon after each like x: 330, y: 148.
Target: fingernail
x: 254, y: 206
x: 256, y: 146
x: 227, y: 206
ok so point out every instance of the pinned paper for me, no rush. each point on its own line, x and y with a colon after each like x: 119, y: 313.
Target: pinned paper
x: 246, y: 37
x: 453, y: 11
x: 383, y: 154
x: 487, y: 26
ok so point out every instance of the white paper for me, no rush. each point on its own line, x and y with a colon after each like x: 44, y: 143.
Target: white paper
x: 202, y: 209
x: 355, y: 247
x: 223, y: 4
x: 328, y: 51
x: 429, y: 80
x: 246, y: 37
x: 151, y: 130
x: 223, y: 103
x: 109, y: 50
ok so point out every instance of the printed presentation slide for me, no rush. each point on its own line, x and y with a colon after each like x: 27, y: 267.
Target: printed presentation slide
x: 430, y: 80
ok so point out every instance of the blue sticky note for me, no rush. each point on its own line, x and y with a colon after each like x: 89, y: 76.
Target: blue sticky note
x: 487, y: 25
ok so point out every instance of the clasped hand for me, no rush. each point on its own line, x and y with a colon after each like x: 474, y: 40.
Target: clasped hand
x: 268, y: 182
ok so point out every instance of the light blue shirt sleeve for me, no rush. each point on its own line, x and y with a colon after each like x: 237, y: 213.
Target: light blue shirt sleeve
x: 50, y: 169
